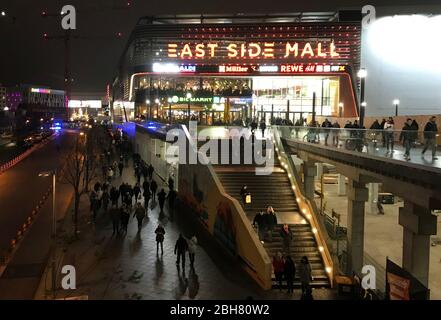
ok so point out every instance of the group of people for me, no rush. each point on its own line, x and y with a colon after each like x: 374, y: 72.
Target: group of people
x: 285, y: 269
x: 408, y: 135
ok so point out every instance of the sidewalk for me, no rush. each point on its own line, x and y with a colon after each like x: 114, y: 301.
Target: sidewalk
x: 127, y: 267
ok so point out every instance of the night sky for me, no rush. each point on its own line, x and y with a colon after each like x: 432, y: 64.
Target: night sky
x: 26, y: 57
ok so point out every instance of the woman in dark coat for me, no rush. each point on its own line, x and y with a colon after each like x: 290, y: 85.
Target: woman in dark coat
x: 305, y: 275
x: 160, y: 232
x: 290, y: 272
x: 279, y: 268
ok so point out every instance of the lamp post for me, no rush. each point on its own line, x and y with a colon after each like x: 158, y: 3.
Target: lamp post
x: 362, y: 73
x: 188, y: 106
x: 157, y: 107
x: 147, y: 102
x: 396, y: 103
x: 169, y: 100
x: 46, y: 174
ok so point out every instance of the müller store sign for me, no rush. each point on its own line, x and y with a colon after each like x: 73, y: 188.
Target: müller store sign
x: 283, y: 50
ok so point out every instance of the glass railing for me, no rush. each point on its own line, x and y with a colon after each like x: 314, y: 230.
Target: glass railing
x: 406, y: 145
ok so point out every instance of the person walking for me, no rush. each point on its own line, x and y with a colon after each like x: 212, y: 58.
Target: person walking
x: 383, y: 136
x: 192, y: 246
x: 326, y: 125
x: 115, y: 215
x: 161, y: 199
x: 406, y: 137
x: 153, y: 188
x: 181, y: 248
x: 145, y: 185
x: 114, y: 196
x: 243, y: 193
x: 109, y: 174
x: 150, y: 171
x: 271, y: 221
x: 137, y: 191
x: 335, y: 133
x: 263, y: 127
x: 287, y: 236
x: 430, y: 132
x: 121, y: 167
x: 172, y: 195
x: 171, y: 183
x: 105, y: 200
x: 389, y: 134
x: 279, y: 268
x: 146, y: 194
x: 139, y: 214
x: 160, y: 235
x: 305, y: 275
x: 125, y: 217
x: 259, y: 222
x: 289, y: 273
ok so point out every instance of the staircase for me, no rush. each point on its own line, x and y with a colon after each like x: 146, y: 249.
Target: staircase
x: 275, y: 190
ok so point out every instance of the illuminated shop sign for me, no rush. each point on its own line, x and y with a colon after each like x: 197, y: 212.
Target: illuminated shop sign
x: 182, y: 99
x: 302, y: 68
x: 172, y: 68
x: 40, y: 90
x: 237, y: 69
x: 92, y: 104
x: 269, y: 69
x: 252, y: 50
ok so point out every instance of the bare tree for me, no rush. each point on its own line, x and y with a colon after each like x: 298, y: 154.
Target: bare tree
x: 81, y: 167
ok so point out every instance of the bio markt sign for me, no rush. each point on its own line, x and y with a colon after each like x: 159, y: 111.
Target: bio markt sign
x: 195, y: 100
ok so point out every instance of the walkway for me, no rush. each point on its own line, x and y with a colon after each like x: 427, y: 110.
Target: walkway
x: 128, y: 268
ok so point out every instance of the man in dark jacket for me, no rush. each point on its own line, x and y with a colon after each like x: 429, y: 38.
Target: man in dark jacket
x: 326, y: 125
x: 139, y: 214
x: 430, y: 132
x: 181, y: 248
x: 290, y: 272
x: 153, y: 188
x: 115, y: 215
x: 406, y: 137
x: 161, y: 199
x: 259, y: 221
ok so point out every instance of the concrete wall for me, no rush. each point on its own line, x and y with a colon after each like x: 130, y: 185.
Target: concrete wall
x: 224, y: 218
x: 153, y: 151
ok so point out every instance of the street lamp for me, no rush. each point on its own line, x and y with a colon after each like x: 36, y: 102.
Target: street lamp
x: 46, y: 174
x: 362, y: 73
x: 157, y: 101
x: 169, y: 100
x: 188, y: 106
x: 3, y: 13
x: 396, y: 102
x: 147, y: 102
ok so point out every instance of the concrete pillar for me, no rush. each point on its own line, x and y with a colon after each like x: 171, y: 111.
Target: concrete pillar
x: 418, y: 224
x: 341, y: 185
x: 319, y: 170
x: 309, y: 172
x: 357, y: 195
x: 373, y: 197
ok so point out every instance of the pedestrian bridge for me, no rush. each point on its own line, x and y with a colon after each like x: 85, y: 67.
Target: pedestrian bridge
x: 360, y: 156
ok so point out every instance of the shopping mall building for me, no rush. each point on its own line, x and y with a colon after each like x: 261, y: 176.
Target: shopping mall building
x: 223, y: 69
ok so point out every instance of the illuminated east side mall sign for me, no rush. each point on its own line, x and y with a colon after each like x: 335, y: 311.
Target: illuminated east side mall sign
x: 252, y: 50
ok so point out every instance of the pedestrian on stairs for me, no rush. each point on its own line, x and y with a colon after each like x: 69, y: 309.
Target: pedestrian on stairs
x: 305, y: 275
x: 290, y: 273
x: 271, y: 221
x: 286, y: 235
x: 279, y: 268
x: 259, y: 222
